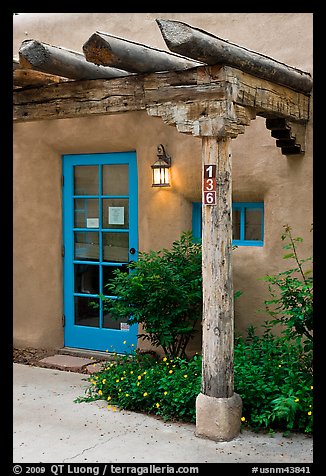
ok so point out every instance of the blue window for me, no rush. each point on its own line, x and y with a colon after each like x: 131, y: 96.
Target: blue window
x: 248, y: 223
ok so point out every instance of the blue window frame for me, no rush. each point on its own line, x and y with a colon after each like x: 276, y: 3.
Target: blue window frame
x: 248, y: 223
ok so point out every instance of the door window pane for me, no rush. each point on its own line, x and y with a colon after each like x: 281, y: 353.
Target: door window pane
x: 115, y: 213
x: 253, y: 225
x: 108, y: 274
x: 110, y: 323
x: 236, y: 224
x: 86, y: 314
x: 115, y: 180
x: 87, y: 279
x: 86, y: 246
x: 86, y: 213
x: 116, y: 247
x: 86, y: 180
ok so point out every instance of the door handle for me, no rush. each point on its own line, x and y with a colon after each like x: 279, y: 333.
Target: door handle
x: 132, y: 251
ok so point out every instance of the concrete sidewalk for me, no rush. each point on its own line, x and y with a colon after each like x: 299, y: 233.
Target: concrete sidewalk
x: 50, y: 428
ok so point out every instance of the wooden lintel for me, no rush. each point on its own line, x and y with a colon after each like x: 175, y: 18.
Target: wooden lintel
x: 205, y: 84
x: 202, y: 46
x: 108, y: 50
x: 59, y: 61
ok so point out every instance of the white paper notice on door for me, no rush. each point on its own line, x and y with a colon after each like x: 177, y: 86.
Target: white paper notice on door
x: 92, y: 222
x: 124, y: 326
x: 116, y: 215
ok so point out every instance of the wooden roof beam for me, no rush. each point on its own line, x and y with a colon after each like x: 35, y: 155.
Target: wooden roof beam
x: 202, y: 46
x: 62, y: 62
x: 169, y: 89
x: 108, y: 50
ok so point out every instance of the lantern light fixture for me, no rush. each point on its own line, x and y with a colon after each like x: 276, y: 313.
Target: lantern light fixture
x: 161, y: 168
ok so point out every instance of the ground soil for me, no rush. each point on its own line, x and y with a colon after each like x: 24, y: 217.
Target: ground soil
x: 30, y: 356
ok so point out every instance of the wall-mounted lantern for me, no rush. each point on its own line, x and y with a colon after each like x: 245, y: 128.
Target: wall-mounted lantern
x: 161, y: 168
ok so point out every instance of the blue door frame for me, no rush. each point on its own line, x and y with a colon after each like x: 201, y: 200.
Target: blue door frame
x: 97, y: 243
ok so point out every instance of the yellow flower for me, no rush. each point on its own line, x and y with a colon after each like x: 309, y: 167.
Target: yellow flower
x: 144, y: 373
x: 127, y: 394
x: 145, y: 394
x: 104, y: 381
x: 302, y: 356
x: 131, y: 371
x: 109, y: 407
x: 100, y: 392
x: 119, y: 389
x: 280, y: 365
x: 157, y: 405
x: 114, y: 409
x: 139, y: 377
x: 109, y: 398
x: 170, y: 371
x: 138, y: 383
x: 165, y: 393
x: 117, y: 380
x: 311, y: 387
x: 186, y: 376
x: 296, y: 400
x: 243, y: 418
x: 165, y: 359
x: 122, y: 378
x: 309, y: 413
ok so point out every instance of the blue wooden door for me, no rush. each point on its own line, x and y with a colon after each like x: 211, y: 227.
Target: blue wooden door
x: 100, y: 219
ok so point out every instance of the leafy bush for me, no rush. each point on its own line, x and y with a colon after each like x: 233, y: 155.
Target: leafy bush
x: 167, y: 387
x: 274, y: 378
x: 271, y: 375
x: 292, y: 296
x: 163, y: 292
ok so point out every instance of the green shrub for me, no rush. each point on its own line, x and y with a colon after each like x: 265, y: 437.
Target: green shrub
x: 166, y: 387
x: 274, y: 378
x: 271, y: 375
x: 291, y: 305
x: 163, y: 291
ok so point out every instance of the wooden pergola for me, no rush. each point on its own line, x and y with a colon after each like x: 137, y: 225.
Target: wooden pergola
x: 206, y: 87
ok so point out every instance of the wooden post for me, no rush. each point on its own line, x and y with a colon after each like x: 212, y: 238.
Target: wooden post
x: 217, y: 379
x: 218, y: 408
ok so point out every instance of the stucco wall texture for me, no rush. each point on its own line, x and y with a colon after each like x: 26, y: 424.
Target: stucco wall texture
x: 260, y: 171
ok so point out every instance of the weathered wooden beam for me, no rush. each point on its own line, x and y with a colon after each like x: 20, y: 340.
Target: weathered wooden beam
x: 108, y: 50
x: 62, y: 62
x: 285, y: 134
x: 202, y: 46
x: 217, y: 380
x: 202, y: 91
x: 29, y: 77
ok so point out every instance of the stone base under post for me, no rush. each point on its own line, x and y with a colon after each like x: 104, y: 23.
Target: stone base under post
x: 218, y: 419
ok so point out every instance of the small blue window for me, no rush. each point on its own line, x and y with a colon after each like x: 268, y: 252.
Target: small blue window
x: 248, y: 223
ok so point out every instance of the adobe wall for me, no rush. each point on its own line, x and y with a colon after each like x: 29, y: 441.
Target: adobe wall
x: 260, y: 172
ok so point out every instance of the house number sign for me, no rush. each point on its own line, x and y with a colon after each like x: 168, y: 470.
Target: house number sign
x: 209, y: 185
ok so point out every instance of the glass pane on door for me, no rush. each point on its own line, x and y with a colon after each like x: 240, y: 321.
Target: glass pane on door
x: 86, y: 213
x: 86, y: 313
x: 86, y: 246
x: 116, y: 247
x: 115, y: 180
x: 86, y: 180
